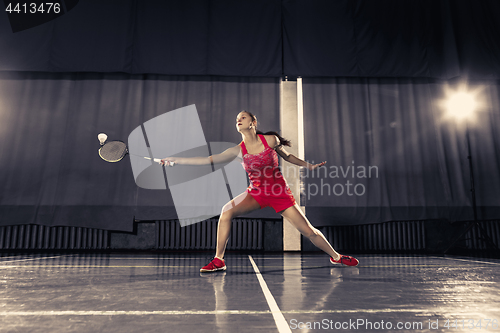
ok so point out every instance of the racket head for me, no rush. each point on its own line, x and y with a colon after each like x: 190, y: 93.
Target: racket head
x: 113, y: 151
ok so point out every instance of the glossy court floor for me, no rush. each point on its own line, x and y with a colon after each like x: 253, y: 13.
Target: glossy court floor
x: 257, y: 293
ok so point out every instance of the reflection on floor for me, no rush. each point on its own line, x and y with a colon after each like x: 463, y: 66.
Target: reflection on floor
x: 166, y: 293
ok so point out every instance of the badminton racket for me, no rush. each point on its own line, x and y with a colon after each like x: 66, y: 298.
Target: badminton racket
x: 115, y: 151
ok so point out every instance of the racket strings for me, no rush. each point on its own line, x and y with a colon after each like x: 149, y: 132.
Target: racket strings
x: 113, y: 151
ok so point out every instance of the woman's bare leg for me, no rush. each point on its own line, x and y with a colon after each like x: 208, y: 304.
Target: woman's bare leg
x: 242, y: 204
x: 299, y: 220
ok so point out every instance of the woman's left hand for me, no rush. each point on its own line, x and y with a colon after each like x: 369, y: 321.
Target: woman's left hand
x: 311, y: 167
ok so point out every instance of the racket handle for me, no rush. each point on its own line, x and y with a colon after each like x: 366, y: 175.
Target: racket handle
x: 167, y: 163
x: 156, y: 160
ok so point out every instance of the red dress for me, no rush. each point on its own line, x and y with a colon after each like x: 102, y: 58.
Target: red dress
x: 267, y: 185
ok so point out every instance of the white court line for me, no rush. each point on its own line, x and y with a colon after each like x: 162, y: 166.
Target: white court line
x: 183, y: 258
x: 138, y: 258
x: 425, y: 311
x: 280, y: 320
x: 62, y: 255
x: 235, y: 312
x: 481, y: 262
x: 126, y: 313
x: 8, y: 257
x: 103, y: 257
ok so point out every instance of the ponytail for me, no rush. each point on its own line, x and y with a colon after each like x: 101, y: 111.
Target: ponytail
x: 283, y: 141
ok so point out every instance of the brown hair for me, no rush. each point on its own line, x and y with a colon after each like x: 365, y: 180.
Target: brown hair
x: 283, y: 141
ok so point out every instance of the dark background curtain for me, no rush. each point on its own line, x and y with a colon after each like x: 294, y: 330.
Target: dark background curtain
x: 390, y: 38
x: 50, y: 172
x: 370, y: 38
x: 108, y: 66
x: 418, y: 157
x: 193, y: 37
x: 378, y: 38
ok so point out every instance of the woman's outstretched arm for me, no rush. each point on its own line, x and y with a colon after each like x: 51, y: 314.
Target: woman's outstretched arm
x: 290, y: 157
x: 224, y: 157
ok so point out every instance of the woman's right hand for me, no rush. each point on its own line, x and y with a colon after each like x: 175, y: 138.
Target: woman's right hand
x: 168, y: 161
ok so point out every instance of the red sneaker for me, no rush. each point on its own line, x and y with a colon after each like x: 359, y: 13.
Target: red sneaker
x: 215, y: 265
x: 345, y: 260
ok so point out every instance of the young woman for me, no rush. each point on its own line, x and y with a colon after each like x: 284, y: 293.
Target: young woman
x: 259, y: 153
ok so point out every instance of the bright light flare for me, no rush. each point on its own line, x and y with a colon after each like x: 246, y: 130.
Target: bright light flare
x: 461, y: 104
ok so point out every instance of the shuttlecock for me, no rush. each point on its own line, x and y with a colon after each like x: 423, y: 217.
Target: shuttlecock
x: 102, y: 138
